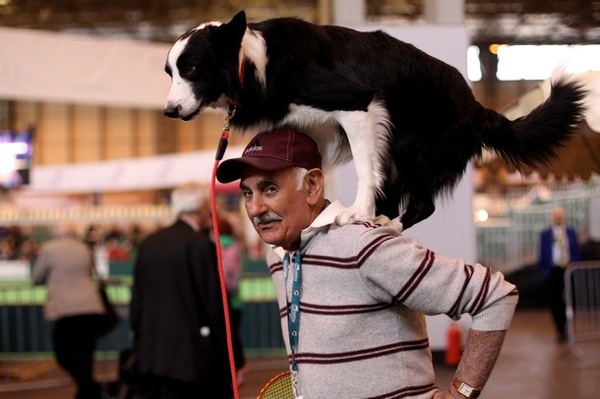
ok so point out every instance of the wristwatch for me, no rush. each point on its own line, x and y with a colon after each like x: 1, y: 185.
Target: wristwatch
x: 465, y: 389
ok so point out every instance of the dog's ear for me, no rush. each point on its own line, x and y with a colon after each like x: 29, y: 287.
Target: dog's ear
x: 233, y: 31
x: 239, y: 19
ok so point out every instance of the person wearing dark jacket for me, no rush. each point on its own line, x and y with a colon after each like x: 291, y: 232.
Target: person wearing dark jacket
x: 559, y: 246
x: 176, y: 311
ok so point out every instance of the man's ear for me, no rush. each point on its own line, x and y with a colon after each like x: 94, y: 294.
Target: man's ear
x: 314, y: 180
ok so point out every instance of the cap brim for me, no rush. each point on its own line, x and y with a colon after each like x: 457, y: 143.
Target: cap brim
x: 232, y: 169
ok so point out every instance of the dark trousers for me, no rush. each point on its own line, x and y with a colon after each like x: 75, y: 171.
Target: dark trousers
x: 235, y: 318
x: 556, y: 295
x: 154, y: 386
x: 74, y: 340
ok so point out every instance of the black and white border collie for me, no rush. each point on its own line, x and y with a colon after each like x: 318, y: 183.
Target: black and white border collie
x: 409, y: 120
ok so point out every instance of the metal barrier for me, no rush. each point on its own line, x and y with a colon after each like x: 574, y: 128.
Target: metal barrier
x: 26, y: 357
x: 511, y: 241
x: 582, y: 298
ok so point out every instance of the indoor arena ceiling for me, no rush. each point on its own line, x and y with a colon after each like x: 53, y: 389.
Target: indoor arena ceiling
x: 489, y: 21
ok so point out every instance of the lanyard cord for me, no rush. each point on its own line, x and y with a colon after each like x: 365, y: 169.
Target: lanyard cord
x: 219, y: 155
x: 294, y: 308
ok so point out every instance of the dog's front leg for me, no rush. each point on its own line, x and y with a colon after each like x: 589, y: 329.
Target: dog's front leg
x: 368, y: 134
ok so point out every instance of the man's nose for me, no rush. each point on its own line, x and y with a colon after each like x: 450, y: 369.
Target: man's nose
x: 255, y: 207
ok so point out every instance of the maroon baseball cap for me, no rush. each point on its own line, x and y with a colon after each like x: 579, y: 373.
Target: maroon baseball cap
x: 273, y: 150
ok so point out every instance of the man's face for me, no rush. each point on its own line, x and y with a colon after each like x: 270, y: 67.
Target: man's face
x: 558, y: 217
x: 277, y: 205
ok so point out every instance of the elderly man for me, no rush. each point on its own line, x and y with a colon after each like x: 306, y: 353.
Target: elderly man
x: 353, y: 297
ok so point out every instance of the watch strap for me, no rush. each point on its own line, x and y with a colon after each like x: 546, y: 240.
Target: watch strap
x: 465, y: 389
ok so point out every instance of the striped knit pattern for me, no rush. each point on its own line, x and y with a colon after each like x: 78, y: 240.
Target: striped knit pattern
x: 365, y: 290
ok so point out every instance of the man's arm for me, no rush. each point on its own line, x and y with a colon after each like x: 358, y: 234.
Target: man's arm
x: 481, y: 352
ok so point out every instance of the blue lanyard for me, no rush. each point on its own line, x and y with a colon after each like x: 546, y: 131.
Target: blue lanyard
x: 294, y: 309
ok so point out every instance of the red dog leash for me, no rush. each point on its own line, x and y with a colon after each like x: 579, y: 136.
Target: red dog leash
x: 221, y: 147
x: 218, y: 156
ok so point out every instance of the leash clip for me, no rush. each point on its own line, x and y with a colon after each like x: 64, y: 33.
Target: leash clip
x: 228, y: 116
x: 225, y: 134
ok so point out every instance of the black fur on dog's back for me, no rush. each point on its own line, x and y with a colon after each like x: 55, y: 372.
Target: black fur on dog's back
x: 334, y: 69
x: 436, y: 125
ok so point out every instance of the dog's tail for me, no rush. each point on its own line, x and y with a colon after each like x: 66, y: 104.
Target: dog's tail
x: 536, y: 137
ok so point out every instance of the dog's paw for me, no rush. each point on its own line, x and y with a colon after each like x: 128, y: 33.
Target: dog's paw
x: 351, y: 215
x: 394, y: 223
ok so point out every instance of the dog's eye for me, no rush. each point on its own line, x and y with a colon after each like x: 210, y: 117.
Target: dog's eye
x: 190, y: 71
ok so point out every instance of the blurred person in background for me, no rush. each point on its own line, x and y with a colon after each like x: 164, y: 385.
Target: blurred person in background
x: 15, y: 244
x: 65, y: 265
x: 559, y: 246
x: 176, y: 309
x: 92, y: 236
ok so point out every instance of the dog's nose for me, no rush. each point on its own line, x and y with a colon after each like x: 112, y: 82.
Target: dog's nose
x: 171, y: 112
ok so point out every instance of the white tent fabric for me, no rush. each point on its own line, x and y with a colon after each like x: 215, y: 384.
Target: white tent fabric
x: 144, y: 173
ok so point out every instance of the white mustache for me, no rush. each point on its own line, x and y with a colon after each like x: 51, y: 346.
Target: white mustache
x: 266, y: 218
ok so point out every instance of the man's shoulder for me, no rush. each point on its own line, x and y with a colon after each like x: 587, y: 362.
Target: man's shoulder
x: 161, y: 234
x: 58, y: 244
x: 353, y: 231
x: 546, y: 231
x: 177, y: 232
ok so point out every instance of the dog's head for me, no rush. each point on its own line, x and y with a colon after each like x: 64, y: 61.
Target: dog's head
x: 203, y: 66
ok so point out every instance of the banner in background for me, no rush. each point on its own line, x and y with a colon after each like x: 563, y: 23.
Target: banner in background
x: 47, y: 66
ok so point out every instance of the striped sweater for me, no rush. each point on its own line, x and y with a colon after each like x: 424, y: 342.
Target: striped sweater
x: 365, y: 291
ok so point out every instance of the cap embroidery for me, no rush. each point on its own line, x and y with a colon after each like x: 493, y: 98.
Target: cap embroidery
x: 256, y: 146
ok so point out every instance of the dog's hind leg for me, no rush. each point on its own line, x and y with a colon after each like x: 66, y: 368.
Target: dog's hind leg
x: 388, y: 204
x: 368, y: 135
x: 419, y: 208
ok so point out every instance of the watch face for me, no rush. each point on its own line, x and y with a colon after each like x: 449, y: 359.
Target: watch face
x: 466, y: 390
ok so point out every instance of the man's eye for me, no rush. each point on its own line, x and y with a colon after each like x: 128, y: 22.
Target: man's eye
x: 271, y: 190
